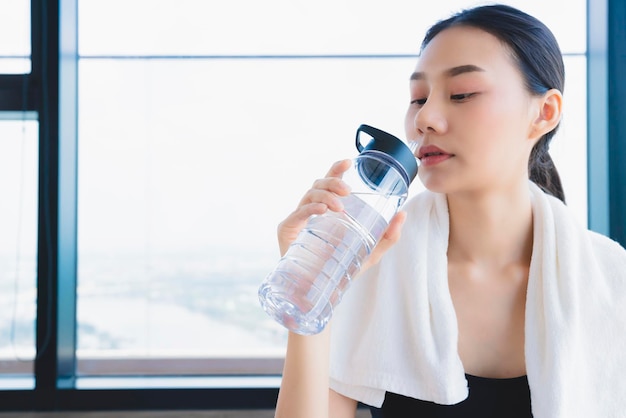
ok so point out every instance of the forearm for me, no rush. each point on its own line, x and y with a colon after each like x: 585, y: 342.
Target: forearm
x: 304, y: 388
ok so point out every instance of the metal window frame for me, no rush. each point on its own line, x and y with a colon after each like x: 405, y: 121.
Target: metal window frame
x: 52, y: 85
x: 606, y: 107
x: 616, y: 16
x: 50, y: 90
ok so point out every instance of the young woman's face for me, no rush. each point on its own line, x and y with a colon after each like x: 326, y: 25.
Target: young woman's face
x: 470, y: 114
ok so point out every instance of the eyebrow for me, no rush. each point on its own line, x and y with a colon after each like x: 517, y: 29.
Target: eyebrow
x: 451, y: 72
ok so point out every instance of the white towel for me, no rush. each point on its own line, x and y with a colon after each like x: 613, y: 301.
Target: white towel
x: 396, y: 328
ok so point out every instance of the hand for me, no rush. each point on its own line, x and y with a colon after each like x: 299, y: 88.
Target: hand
x: 323, y: 195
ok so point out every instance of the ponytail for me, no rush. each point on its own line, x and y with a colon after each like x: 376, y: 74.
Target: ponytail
x: 542, y: 170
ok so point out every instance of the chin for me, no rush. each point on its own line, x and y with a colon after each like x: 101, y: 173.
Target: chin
x: 436, y: 185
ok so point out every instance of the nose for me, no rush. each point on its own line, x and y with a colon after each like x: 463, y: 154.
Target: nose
x: 430, y: 118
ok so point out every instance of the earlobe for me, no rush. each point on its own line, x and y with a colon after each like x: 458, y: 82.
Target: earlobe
x: 550, y: 111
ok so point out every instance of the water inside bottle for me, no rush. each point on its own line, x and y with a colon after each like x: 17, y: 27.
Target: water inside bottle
x: 312, y: 277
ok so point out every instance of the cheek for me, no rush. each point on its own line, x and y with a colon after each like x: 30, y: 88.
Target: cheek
x: 495, y: 121
x: 409, y: 123
x: 496, y: 131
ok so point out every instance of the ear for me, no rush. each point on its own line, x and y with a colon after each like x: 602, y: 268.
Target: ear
x: 549, y: 113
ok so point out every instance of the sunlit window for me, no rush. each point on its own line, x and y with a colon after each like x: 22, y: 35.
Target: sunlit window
x: 200, y: 126
x: 15, y: 37
x: 18, y: 243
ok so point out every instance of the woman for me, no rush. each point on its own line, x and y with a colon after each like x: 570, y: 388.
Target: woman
x: 484, y: 298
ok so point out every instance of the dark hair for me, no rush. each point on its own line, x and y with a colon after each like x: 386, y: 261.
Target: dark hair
x: 539, y: 59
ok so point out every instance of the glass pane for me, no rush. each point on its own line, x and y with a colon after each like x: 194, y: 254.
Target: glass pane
x: 177, y: 202
x: 186, y: 168
x: 15, y: 65
x: 18, y: 246
x: 285, y: 27
x: 182, y: 180
x: 15, y: 36
x: 569, y: 146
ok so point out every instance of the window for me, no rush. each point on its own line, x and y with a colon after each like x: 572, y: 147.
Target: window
x: 18, y: 244
x: 198, y: 134
x: 15, y: 36
x: 18, y: 191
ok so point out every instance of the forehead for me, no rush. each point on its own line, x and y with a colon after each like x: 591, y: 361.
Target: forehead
x: 463, y: 45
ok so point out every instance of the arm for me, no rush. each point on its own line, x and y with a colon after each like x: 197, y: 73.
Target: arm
x: 304, y: 390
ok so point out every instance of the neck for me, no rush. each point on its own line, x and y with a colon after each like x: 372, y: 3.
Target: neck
x: 493, y: 228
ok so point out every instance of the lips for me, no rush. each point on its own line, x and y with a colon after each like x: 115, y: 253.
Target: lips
x: 430, y: 151
x: 430, y: 155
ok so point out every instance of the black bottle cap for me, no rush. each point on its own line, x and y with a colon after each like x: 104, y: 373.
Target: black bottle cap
x: 395, y: 152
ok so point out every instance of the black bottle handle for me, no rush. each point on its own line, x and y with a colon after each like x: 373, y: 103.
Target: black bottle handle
x: 393, y: 147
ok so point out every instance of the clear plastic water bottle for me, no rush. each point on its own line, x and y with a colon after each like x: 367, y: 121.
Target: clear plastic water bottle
x: 311, y: 278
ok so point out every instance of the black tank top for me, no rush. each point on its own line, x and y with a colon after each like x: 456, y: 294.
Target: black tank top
x: 487, y: 398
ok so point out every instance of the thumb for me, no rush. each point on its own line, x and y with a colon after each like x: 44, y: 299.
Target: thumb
x: 390, y: 237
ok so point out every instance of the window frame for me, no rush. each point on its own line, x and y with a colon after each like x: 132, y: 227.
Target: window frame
x: 50, y: 90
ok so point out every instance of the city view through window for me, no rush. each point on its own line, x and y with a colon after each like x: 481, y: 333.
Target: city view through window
x: 197, y: 136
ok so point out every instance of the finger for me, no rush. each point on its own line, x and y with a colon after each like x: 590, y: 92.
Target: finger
x: 301, y: 215
x: 394, y: 230
x: 329, y: 198
x: 338, y: 168
x: 333, y: 184
x: 291, y: 226
x: 390, y: 237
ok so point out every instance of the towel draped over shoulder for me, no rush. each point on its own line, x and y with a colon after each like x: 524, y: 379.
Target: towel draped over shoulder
x: 396, y: 328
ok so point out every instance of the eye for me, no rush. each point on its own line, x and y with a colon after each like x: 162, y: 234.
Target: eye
x: 461, y: 97
x: 419, y: 102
